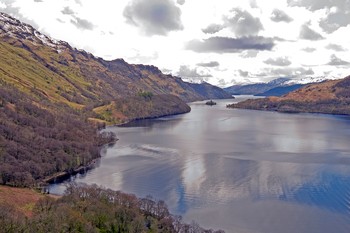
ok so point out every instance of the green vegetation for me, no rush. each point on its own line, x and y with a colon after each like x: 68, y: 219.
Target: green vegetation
x: 93, y: 209
x: 145, y: 94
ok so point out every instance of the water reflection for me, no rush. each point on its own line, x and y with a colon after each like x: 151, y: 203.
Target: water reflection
x: 242, y: 171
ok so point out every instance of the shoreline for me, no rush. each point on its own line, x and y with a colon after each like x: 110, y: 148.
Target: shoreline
x: 289, y: 112
x: 64, y: 175
x: 145, y: 118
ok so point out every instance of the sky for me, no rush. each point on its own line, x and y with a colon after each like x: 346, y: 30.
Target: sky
x: 221, y: 42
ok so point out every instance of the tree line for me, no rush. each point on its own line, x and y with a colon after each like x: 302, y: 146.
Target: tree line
x: 92, y: 209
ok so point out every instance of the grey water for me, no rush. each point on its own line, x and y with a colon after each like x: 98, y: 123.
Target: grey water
x: 238, y: 170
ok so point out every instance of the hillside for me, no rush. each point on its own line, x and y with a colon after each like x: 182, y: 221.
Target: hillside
x: 31, y: 60
x: 331, y: 97
x: 53, y: 98
x: 141, y: 107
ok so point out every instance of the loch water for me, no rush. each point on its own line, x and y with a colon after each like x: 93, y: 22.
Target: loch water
x: 242, y: 171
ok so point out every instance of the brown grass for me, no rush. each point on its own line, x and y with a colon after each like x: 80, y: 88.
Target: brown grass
x: 21, y: 199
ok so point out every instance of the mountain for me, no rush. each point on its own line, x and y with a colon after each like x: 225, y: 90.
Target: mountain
x: 64, y: 74
x: 54, y: 98
x: 279, y: 91
x: 331, y: 97
x: 257, y: 88
x: 284, y: 86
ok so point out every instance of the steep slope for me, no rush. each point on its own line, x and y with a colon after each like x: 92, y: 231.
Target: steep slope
x: 332, y: 97
x: 53, y: 98
x: 64, y: 74
x: 39, y: 138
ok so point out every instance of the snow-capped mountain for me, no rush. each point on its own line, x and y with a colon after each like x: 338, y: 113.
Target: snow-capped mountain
x: 276, y: 87
x: 306, y: 80
x: 13, y: 28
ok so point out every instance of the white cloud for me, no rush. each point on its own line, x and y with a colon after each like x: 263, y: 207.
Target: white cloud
x: 237, y: 35
x: 280, y: 16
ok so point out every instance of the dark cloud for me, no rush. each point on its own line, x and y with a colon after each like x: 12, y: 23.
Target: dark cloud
x: 249, y: 53
x: 180, y: 2
x: 335, y: 47
x: 67, y: 11
x: 82, y: 23
x: 309, y: 49
x: 335, y: 20
x: 154, y: 17
x: 280, y: 16
x: 209, y: 64
x: 335, y: 61
x: 242, y: 23
x: 192, y: 74
x: 243, y: 73
x: 307, y: 33
x: 280, y: 61
x: 230, y: 45
x: 213, y: 28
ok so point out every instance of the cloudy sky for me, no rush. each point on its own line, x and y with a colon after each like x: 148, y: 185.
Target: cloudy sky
x: 223, y: 42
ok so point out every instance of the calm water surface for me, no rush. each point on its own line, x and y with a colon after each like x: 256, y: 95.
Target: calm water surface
x: 238, y: 170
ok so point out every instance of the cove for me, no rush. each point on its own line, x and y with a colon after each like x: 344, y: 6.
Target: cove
x: 236, y: 170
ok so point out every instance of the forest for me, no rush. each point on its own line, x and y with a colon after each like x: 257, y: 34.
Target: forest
x: 92, y: 209
x: 39, y: 138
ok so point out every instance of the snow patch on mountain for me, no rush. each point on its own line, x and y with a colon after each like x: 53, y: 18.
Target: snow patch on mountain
x: 306, y: 80
x: 12, y: 27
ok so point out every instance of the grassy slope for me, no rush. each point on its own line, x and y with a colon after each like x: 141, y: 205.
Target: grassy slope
x: 81, y: 80
x: 332, y: 97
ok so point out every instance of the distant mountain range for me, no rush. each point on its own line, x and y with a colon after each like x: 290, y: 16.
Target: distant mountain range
x: 276, y: 87
x: 331, y: 97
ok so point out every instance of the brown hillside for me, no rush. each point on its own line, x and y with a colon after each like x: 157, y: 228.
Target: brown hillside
x: 331, y: 97
x: 23, y: 200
